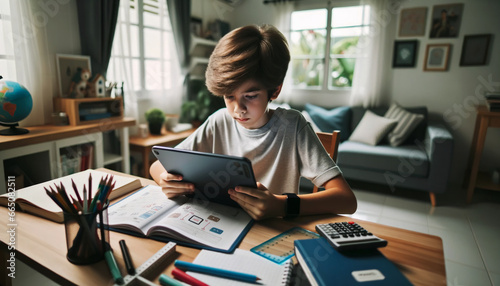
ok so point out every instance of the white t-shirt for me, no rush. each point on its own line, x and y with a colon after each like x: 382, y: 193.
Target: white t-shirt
x: 281, y: 151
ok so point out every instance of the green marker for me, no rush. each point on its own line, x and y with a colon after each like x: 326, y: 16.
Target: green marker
x: 113, y: 267
x: 169, y: 281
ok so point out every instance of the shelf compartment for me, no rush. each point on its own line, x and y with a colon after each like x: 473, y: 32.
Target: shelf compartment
x: 90, y: 110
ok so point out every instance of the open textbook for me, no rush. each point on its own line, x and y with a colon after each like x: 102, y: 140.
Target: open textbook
x: 34, y: 199
x: 192, y: 222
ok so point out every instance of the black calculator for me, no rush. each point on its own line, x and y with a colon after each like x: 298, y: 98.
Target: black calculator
x: 349, y: 236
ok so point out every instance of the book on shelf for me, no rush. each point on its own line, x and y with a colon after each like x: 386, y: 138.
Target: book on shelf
x: 244, y: 261
x: 193, y: 222
x: 34, y: 199
x: 323, y: 265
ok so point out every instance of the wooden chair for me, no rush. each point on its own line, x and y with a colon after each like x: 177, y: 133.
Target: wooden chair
x: 330, y: 142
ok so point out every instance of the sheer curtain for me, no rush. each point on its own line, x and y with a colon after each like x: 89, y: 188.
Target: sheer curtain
x: 283, y: 12
x: 28, y: 41
x: 368, y: 73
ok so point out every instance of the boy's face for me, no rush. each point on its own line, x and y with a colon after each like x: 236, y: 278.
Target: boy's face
x: 248, y: 104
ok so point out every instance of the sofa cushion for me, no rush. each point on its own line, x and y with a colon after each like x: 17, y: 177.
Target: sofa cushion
x: 417, y: 134
x: 329, y: 120
x: 372, y: 128
x: 406, y: 160
x: 407, y: 122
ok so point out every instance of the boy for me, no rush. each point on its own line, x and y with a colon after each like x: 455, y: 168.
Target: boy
x: 247, y: 68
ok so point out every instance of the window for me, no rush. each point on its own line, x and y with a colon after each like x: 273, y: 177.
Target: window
x: 7, y: 61
x: 323, y: 46
x: 141, y: 50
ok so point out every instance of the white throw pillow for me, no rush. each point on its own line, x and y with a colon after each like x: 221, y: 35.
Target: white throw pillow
x: 372, y: 128
x: 407, y: 122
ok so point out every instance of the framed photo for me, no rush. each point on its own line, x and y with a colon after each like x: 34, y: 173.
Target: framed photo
x: 412, y: 22
x: 446, y: 20
x: 68, y: 69
x: 196, y: 25
x: 405, y: 54
x: 475, y: 50
x: 436, y: 57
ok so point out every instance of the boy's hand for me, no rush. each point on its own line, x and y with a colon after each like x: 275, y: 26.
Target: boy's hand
x: 172, y: 187
x: 259, y: 203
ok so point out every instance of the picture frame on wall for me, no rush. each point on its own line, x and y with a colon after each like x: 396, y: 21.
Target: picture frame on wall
x: 70, y: 70
x: 436, y: 57
x: 446, y: 20
x: 475, y: 50
x: 412, y: 22
x: 405, y: 54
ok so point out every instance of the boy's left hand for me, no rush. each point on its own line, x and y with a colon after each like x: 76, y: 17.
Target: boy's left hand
x: 259, y: 203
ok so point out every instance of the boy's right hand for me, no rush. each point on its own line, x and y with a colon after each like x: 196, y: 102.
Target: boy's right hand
x: 172, y: 187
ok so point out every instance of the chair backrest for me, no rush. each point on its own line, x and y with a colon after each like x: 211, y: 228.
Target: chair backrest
x: 330, y: 142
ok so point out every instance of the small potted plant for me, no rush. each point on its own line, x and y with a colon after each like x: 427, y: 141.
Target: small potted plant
x: 155, y: 118
x: 197, y: 111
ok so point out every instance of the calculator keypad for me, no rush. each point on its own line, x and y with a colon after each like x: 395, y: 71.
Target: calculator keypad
x: 349, y: 235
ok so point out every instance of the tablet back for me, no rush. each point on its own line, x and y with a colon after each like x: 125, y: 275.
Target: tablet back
x: 212, y: 174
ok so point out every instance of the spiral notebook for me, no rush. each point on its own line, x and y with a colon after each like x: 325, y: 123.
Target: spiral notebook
x: 245, y: 261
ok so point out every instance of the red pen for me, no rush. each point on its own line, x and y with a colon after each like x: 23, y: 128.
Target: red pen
x: 184, y: 277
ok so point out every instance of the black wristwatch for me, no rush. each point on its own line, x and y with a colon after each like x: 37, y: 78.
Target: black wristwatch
x: 292, y: 206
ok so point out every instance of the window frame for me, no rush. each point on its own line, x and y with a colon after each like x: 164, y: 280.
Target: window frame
x: 163, y: 60
x: 328, y: 57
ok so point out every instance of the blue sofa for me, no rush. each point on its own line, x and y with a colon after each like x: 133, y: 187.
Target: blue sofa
x: 422, y: 162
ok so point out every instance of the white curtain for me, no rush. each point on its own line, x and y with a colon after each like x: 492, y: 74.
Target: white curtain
x: 367, y: 89
x: 26, y: 40
x: 282, y: 21
x: 121, y: 68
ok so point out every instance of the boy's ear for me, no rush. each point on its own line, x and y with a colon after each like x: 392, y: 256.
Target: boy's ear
x: 276, y: 92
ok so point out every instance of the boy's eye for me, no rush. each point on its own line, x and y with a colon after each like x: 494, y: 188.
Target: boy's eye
x: 251, y: 96
x: 228, y: 97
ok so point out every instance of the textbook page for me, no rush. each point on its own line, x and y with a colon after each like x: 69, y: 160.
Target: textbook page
x: 244, y: 261
x: 189, y: 220
x: 144, y: 207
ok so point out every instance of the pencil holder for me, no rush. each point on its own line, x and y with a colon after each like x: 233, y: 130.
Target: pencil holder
x: 86, y: 236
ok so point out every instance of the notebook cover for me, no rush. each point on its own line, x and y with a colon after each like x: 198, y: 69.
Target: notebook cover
x: 327, y: 266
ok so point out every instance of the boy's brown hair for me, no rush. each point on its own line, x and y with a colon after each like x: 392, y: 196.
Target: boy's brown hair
x: 250, y: 52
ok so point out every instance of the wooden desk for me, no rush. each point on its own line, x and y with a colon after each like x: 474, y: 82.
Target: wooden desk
x: 41, y: 244
x: 144, y: 145
x: 484, y: 119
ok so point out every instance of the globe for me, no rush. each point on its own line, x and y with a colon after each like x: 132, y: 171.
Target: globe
x: 15, y: 105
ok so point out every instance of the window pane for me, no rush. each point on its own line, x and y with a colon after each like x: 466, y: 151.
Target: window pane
x: 151, y: 13
x: 347, y: 16
x: 136, y: 74
x: 167, y: 75
x: 134, y: 41
x: 308, y: 42
x: 8, y: 69
x: 341, y: 72
x: 153, y: 75
x: 309, y: 19
x: 152, y: 43
x: 307, y: 73
x: 167, y: 53
x: 133, y: 13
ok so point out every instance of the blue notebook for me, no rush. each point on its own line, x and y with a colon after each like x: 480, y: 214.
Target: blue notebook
x: 323, y: 265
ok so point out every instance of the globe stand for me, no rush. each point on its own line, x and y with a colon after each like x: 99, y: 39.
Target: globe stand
x: 13, y: 130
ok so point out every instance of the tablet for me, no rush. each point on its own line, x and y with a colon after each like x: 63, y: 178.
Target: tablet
x: 212, y: 174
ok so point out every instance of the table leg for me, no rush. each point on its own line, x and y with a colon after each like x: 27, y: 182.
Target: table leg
x: 478, y: 144
x: 145, y: 162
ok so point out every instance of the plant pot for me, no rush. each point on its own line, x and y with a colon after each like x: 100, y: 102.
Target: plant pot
x: 155, y: 128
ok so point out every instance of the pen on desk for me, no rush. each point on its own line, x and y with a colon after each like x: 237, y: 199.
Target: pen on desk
x: 127, y: 258
x: 187, y: 266
x: 169, y: 281
x: 184, y: 277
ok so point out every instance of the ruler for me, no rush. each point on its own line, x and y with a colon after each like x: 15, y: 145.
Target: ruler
x: 280, y: 248
x: 154, y: 262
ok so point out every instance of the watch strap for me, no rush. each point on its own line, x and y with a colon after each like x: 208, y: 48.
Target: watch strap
x: 292, y: 206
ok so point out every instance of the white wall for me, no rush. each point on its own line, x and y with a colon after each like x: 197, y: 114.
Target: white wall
x: 452, y: 92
